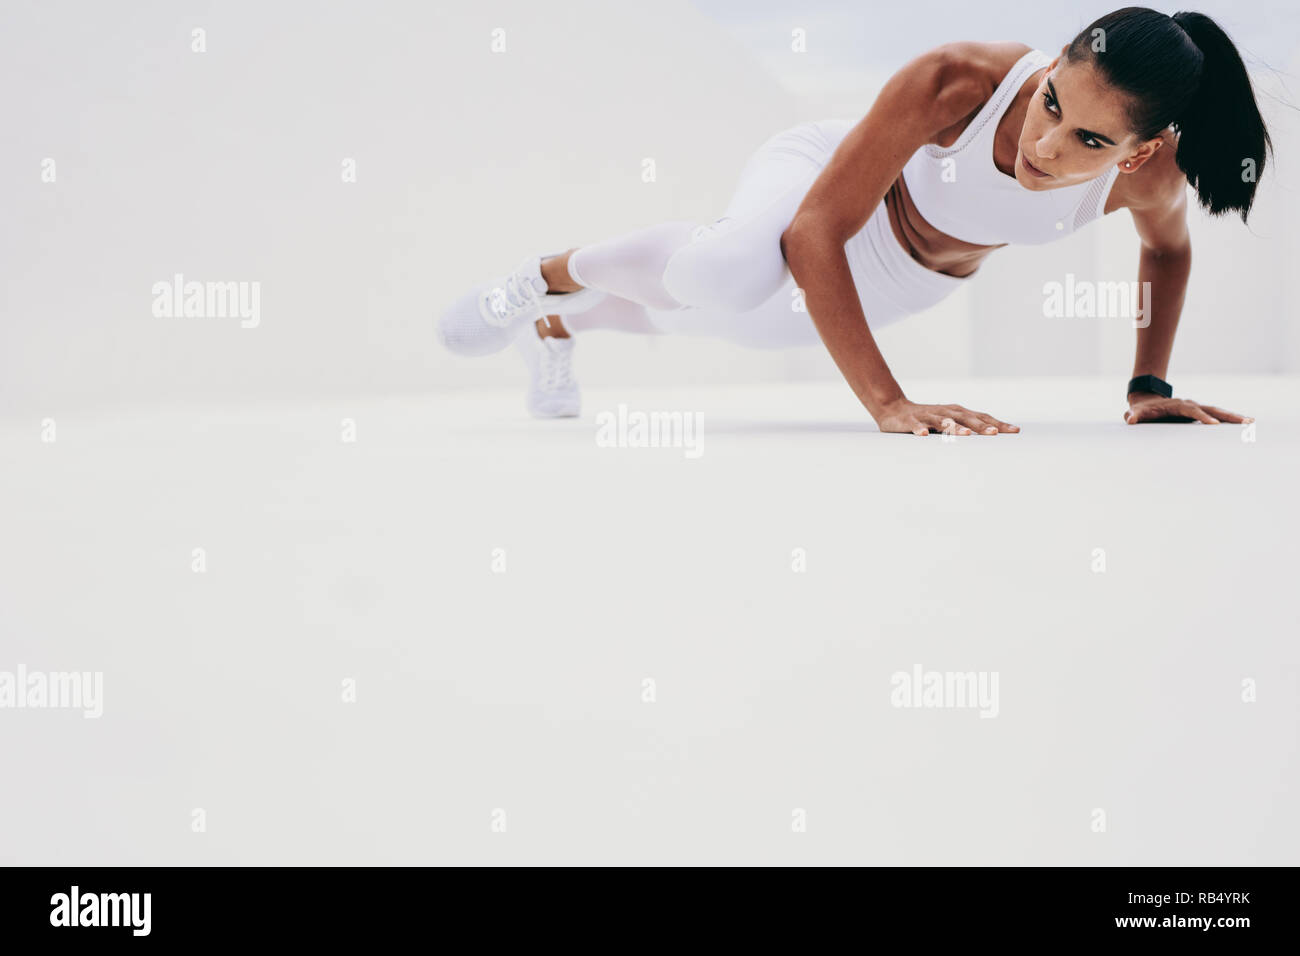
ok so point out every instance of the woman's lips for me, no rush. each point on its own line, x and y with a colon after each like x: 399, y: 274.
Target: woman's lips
x: 1032, y: 169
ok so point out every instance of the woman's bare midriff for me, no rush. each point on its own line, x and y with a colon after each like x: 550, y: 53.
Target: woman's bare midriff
x: 935, y: 250
x: 938, y: 251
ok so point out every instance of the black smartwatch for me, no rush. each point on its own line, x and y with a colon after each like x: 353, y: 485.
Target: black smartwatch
x: 1150, y: 383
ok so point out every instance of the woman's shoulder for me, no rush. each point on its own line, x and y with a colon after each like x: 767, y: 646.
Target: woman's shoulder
x: 986, y: 64
x: 967, y: 73
x: 992, y: 59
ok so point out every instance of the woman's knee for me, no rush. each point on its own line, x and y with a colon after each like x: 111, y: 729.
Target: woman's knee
x: 729, y: 271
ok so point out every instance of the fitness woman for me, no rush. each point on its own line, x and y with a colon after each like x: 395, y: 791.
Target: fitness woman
x: 968, y: 148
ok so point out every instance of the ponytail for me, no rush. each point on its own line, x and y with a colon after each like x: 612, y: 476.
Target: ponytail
x: 1222, y: 139
x: 1184, y: 71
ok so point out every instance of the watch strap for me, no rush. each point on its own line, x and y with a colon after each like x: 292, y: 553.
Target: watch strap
x: 1150, y: 383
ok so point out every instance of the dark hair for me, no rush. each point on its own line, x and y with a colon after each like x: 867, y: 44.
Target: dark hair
x: 1185, y: 72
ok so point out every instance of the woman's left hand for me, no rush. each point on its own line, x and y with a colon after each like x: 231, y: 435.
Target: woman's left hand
x: 1156, y: 408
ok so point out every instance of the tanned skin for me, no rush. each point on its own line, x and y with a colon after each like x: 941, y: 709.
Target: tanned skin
x: 1065, y: 121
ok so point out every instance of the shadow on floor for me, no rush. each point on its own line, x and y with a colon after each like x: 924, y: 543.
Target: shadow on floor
x: 1076, y: 429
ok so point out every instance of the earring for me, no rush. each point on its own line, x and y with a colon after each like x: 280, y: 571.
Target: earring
x: 1128, y: 165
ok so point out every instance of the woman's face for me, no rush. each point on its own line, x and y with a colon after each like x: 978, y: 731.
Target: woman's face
x: 1076, y: 128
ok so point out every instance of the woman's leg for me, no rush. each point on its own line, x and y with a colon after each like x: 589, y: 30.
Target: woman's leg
x: 547, y: 350
x: 733, y: 264
x: 611, y: 313
x: 738, y: 264
x: 630, y: 266
x: 736, y: 261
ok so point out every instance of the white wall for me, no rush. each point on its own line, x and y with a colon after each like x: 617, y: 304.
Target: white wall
x: 226, y: 165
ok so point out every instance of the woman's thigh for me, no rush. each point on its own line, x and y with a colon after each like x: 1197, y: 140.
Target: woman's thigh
x: 792, y: 158
x: 783, y: 321
x: 735, y: 263
x: 746, y: 242
x: 778, y: 323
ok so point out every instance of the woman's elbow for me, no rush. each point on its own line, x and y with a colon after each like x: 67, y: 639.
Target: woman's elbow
x: 805, y: 234
x: 795, y: 235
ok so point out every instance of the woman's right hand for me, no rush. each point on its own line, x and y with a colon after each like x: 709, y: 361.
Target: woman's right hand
x: 901, y: 415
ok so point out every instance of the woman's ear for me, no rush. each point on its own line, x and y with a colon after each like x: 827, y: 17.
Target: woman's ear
x: 1134, y: 162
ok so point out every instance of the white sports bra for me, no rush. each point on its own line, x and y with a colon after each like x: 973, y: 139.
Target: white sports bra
x: 959, y: 191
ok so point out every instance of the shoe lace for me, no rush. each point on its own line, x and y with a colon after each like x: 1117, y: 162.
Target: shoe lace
x: 556, y: 369
x: 512, y: 297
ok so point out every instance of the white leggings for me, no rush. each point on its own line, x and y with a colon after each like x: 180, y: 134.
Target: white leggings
x: 729, y: 279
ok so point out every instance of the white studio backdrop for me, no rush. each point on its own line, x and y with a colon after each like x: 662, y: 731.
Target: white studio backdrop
x: 364, y: 163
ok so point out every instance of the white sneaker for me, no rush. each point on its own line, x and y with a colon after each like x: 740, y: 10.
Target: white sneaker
x: 488, y: 319
x: 553, y: 392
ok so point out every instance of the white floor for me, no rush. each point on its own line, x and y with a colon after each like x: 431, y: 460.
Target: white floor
x: 519, y: 698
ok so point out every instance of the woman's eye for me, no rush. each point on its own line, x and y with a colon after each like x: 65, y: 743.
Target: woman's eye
x: 1049, y: 103
x: 1091, y: 141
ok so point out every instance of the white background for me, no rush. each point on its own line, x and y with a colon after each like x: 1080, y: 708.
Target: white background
x: 1121, y: 686
x: 226, y: 165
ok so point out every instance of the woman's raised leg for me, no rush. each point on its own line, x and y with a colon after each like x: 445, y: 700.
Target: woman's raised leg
x: 630, y: 266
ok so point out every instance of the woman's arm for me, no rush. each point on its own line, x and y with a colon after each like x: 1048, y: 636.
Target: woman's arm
x: 1165, y: 262
x: 928, y: 95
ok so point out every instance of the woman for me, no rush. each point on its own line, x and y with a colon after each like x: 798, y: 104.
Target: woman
x: 968, y: 148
